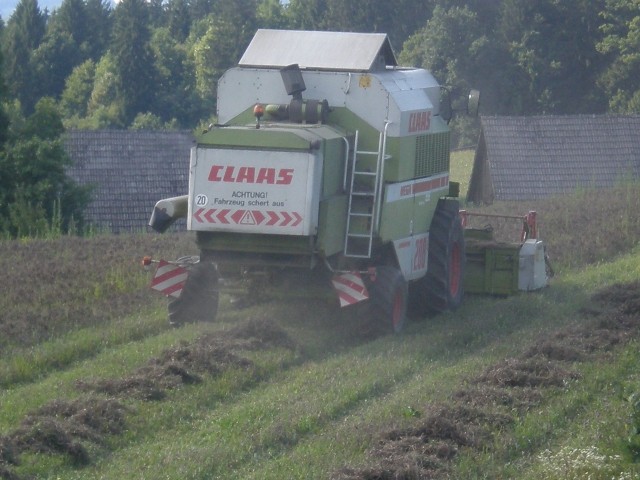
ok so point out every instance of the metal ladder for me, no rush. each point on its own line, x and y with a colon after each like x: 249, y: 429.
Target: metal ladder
x: 364, y: 192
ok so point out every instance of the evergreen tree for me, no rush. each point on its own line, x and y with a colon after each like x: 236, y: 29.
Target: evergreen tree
x: 211, y: 57
x: 178, y: 20
x: 22, y: 36
x: 4, y: 120
x: 53, y: 61
x: 200, y: 9
x: 448, y: 46
x: 307, y: 14
x: 173, y: 82
x: 71, y: 18
x: 271, y: 14
x: 228, y: 34
x: 133, y: 57
x: 167, y: 55
x: 98, y: 32
x: 398, y: 19
x: 157, y: 17
x: 553, y: 45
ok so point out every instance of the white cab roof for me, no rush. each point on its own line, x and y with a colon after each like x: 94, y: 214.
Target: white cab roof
x: 336, y: 51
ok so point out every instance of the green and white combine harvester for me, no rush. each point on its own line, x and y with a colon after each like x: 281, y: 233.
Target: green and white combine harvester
x: 329, y: 167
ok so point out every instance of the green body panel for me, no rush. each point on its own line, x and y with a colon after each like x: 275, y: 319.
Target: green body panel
x: 491, y: 267
x: 395, y: 221
x: 411, y: 157
x: 332, y: 221
x: 228, y: 137
x: 403, y: 218
x: 257, y: 243
x: 333, y: 166
x: 418, y: 156
x: 333, y: 201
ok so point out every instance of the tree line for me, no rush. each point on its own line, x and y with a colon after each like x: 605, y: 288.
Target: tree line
x: 155, y: 63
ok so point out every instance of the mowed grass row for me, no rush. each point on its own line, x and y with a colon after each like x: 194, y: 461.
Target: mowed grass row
x: 34, y: 363
x: 309, y: 416
x: 581, y: 430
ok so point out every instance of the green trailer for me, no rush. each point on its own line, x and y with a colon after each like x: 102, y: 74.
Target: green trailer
x: 503, y: 267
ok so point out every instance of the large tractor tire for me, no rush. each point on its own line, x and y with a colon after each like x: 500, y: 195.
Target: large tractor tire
x: 198, y: 301
x: 388, y: 298
x: 442, y: 288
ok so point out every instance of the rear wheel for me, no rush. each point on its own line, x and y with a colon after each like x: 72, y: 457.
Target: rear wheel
x: 198, y: 301
x: 442, y: 288
x: 388, y: 293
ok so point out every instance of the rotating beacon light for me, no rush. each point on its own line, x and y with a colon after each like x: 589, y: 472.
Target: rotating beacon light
x: 258, y: 111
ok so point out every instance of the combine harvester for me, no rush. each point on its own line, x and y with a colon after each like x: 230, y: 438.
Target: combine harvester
x: 329, y: 167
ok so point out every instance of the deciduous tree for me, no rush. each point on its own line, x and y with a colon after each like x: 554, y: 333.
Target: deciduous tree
x: 621, y: 45
x: 77, y: 92
x: 35, y: 187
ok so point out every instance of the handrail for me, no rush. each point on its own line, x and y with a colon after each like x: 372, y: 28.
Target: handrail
x: 529, y: 226
x: 382, y: 156
x: 346, y: 162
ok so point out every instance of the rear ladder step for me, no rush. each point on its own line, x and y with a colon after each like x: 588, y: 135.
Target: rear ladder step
x: 363, y: 199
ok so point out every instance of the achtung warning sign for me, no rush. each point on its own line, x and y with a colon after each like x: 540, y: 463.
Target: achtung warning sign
x: 247, y: 218
x: 254, y: 191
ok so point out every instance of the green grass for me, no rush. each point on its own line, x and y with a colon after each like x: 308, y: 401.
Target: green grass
x: 302, y: 418
x: 581, y: 430
x: 61, y: 352
x: 460, y: 167
x: 579, y: 433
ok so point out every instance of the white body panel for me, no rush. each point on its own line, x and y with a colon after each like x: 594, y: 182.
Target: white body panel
x: 425, y: 187
x: 412, y: 255
x: 333, y: 51
x: 533, y: 273
x: 408, y: 98
x: 254, y: 191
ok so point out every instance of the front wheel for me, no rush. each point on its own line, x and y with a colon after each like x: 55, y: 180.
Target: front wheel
x: 198, y: 301
x: 442, y: 288
x: 388, y: 293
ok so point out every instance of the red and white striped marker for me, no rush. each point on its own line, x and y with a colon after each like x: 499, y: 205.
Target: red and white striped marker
x: 169, y: 279
x: 350, y: 288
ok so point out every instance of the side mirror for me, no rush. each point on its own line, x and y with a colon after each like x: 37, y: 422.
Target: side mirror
x: 446, y: 109
x: 473, y: 104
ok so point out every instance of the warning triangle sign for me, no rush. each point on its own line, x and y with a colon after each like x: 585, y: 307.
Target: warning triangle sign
x: 247, y: 219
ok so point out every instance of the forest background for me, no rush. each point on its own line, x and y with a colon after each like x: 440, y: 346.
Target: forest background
x: 154, y: 65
